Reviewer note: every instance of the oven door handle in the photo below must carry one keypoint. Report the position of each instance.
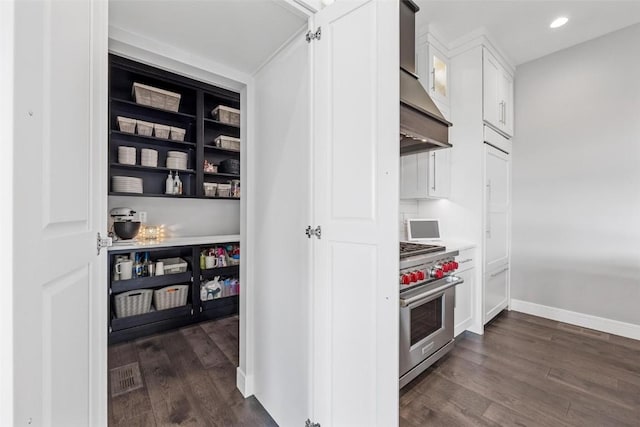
(414, 300)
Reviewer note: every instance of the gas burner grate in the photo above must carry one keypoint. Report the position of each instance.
(409, 249)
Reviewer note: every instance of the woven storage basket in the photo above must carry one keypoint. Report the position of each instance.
(228, 142)
(133, 302)
(225, 114)
(230, 166)
(170, 297)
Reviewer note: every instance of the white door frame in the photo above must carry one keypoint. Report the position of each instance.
(6, 213)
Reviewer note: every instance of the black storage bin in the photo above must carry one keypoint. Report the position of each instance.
(230, 166)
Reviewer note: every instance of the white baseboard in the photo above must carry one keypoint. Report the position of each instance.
(615, 327)
(244, 383)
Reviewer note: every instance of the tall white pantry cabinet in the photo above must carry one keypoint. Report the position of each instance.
(482, 116)
(328, 103)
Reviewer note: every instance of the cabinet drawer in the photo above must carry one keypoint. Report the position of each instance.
(466, 259)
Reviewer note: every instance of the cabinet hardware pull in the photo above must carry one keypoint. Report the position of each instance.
(465, 260)
(499, 272)
(433, 79)
(434, 172)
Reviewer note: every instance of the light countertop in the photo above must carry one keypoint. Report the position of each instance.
(173, 241)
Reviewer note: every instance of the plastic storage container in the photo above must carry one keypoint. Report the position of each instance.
(174, 265)
(170, 297)
(210, 189)
(227, 115)
(133, 302)
(224, 190)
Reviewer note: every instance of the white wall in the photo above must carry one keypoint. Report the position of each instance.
(576, 179)
(185, 217)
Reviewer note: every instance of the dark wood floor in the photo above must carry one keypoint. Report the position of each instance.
(529, 371)
(189, 378)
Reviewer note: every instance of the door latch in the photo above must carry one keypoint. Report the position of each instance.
(313, 232)
(104, 242)
(309, 423)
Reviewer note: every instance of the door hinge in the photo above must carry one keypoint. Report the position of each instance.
(104, 243)
(313, 35)
(313, 232)
(310, 423)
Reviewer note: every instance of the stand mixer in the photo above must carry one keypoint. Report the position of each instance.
(125, 223)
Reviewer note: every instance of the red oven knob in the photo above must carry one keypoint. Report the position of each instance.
(439, 273)
(421, 275)
(405, 279)
(455, 265)
(446, 267)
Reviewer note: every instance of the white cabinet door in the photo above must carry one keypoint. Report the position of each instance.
(463, 313)
(506, 98)
(491, 106)
(497, 95)
(355, 181)
(280, 212)
(496, 292)
(60, 162)
(439, 174)
(438, 75)
(426, 175)
(497, 204)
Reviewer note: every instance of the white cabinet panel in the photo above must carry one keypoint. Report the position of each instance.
(496, 292)
(463, 313)
(426, 175)
(497, 202)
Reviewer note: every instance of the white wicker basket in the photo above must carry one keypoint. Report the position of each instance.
(161, 131)
(170, 297)
(158, 98)
(144, 128)
(126, 124)
(177, 134)
(227, 115)
(133, 302)
(228, 142)
(174, 265)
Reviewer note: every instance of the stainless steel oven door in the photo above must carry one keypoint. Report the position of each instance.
(426, 320)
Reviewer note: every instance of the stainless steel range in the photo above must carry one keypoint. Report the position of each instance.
(427, 298)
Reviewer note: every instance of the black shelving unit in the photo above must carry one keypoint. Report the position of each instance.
(195, 310)
(197, 101)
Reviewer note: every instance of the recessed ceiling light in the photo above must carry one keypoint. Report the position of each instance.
(559, 22)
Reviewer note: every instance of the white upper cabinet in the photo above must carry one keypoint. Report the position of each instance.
(426, 175)
(497, 94)
(433, 68)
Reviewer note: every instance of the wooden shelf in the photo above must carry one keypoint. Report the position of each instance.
(210, 273)
(219, 303)
(177, 196)
(214, 149)
(219, 123)
(150, 282)
(222, 175)
(152, 169)
(152, 109)
(118, 324)
(152, 139)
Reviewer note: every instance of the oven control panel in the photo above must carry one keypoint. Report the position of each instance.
(414, 276)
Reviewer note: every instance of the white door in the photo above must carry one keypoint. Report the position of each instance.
(355, 187)
(60, 205)
(281, 210)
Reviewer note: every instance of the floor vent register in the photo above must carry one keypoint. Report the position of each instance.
(125, 378)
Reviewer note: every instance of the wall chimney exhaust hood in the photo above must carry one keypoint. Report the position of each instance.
(422, 125)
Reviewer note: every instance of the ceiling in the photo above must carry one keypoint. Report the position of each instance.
(241, 34)
(520, 28)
